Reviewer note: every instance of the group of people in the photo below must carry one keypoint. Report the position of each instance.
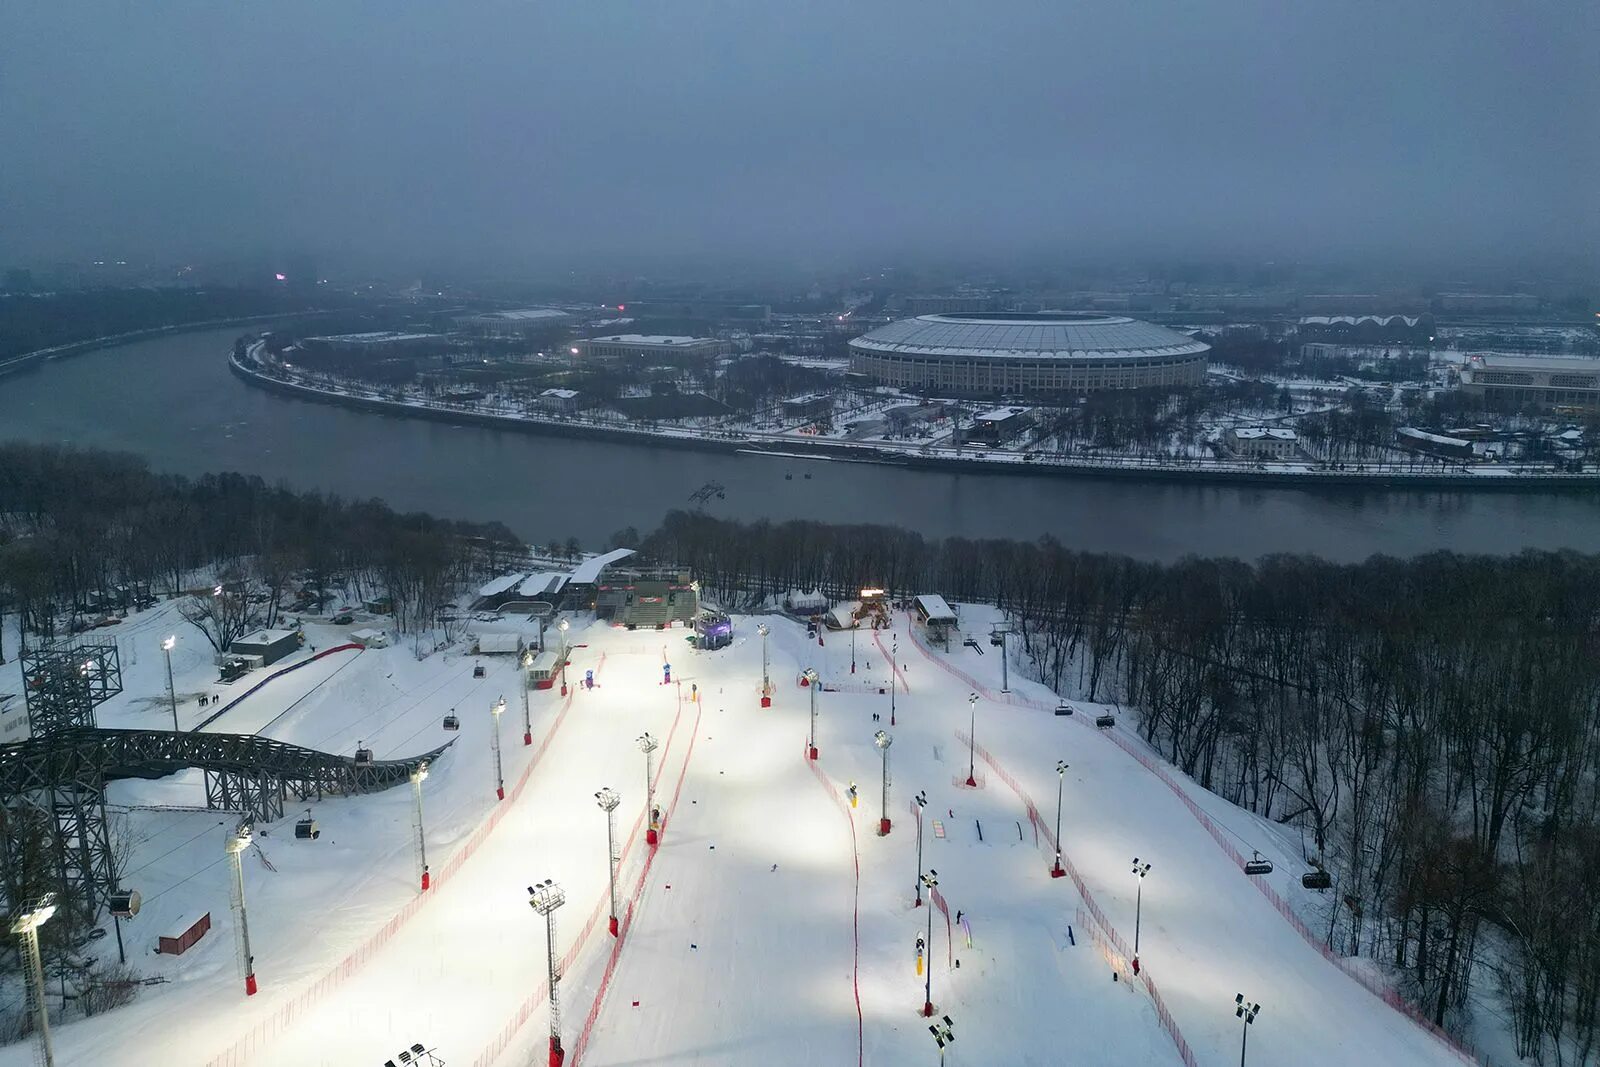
(207, 699)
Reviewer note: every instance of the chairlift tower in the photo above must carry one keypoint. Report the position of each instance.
(545, 898)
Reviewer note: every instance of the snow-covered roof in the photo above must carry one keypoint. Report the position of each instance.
(1261, 433)
(264, 637)
(560, 394)
(1414, 434)
(1523, 361)
(501, 584)
(366, 634)
(374, 337)
(524, 315)
(1029, 335)
(658, 339)
(1356, 320)
(499, 643)
(934, 607)
(588, 572)
(542, 583)
(1000, 414)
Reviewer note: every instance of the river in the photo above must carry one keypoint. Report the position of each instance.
(173, 401)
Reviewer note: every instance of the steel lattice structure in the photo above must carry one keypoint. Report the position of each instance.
(58, 780)
(61, 685)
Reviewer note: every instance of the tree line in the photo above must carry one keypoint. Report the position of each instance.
(1431, 726)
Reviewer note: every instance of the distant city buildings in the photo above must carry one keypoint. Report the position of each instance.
(520, 323)
(626, 346)
(1263, 442)
(1522, 380)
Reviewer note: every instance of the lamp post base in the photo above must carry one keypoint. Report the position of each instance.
(883, 827)
(766, 702)
(250, 985)
(972, 782)
(927, 1009)
(1058, 871)
(650, 837)
(527, 737)
(500, 792)
(612, 926)
(426, 881)
(557, 1053)
(813, 752)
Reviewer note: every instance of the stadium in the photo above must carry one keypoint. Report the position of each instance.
(1015, 352)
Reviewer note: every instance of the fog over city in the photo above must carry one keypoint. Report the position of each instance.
(537, 135)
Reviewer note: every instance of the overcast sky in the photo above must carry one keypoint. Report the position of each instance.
(538, 133)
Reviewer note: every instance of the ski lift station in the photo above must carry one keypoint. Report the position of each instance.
(936, 617)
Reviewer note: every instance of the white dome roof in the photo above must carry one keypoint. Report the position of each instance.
(1029, 335)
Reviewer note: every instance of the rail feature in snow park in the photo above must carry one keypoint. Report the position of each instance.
(502, 1041)
(301, 1004)
(1048, 837)
(1371, 984)
(855, 906)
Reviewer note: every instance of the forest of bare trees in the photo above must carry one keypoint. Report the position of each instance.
(1430, 725)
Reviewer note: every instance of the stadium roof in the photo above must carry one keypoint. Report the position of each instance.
(1029, 335)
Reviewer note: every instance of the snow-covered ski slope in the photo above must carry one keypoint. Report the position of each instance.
(773, 925)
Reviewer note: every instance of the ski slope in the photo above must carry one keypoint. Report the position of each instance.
(773, 924)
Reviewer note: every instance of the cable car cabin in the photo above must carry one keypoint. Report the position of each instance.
(477, 670)
(124, 903)
(1105, 722)
(1316, 879)
(1063, 708)
(306, 830)
(1258, 865)
(452, 722)
(363, 757)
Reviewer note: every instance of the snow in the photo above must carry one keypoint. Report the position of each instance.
(724, 959)
(542, 583)
(935, 608)
(499, 643)
(588, 572)
(501, 584)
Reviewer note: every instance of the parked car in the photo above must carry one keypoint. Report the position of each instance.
(343, 619)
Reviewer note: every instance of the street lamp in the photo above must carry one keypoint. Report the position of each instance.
(883, 741)
(894, 660)
(648, 745)
(1061, 776)
(766, 683)
(562, 626)
(972, 740)
(922, 804)
(608, 799)
(237, 843)
(26, 926)
(527, 715)
(1139, 870)
(944, 1033)
(172, 694)
(498, 710)
(1243, 1009)
(811, 742)
(852, 646)
(417, 777)
(930, 880)
(545, 898)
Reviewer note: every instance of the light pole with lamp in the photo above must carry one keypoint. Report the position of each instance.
(894, 660)
(922, 805)
(1139, 870)
(562, 626)
(648, 745)
(766, 683)
(497, 710)
(972, 741)
(1243, 1009)
(812, 679)
(608, 799)
(172, 694)
(944, 1034)
(237, 843)
(1061, 776)
(545, 898)
(930, 880)
(527, 714)
(417, 777)
(26, 926)
(883, 741)
(852, 646)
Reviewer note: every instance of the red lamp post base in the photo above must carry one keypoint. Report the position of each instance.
(250, 984)
(426, 881)
(612, 926)
(651, 838)
(557, 1053)
(927, 1009)
(813, 752)
(1058, 871)
(972, 783)
(883, 827)
(500, 793)
(563, 688)
(766, 702)
(527, 738)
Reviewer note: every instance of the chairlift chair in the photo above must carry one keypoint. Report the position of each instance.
(1105, 722)
(1063, 708)
(1258, 865)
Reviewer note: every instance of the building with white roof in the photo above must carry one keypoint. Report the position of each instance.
(1264, 442)
(1521, 380)
(1024, 352)
(626, 346)
(518, 323)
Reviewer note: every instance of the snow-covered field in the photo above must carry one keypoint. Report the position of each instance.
(773, 924)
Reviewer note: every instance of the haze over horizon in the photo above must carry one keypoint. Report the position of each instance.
(523, 135)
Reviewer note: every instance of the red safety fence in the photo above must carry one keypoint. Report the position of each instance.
(1366, 980)
(855, 908)
(293, 1009)
(1117, 960)
(944, 909)
(905, 686)
(1168, 1023)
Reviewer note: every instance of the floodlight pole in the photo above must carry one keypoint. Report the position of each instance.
(852, 646)
(648, 745)
(1139, 870)
(930, 880)
(766, 681)
(235, 848)
(417, 777)
(608, 799)
(527, 714)
(1245, 1010)
(972, 741)
(922, 804)
(811, 742)
(894, 661)
(562, 626)
(545, 898)
(172, 694)
(1061, 776)
(883, 741)
(498, 709)
(26, 926)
